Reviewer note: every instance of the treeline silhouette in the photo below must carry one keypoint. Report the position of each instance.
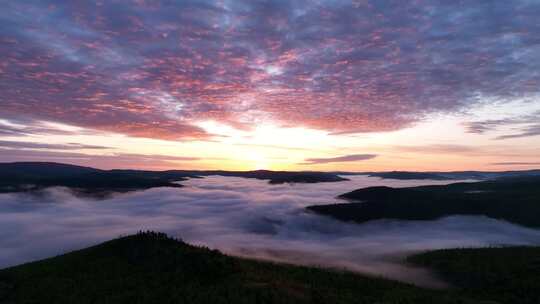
(504, 275)
(515, 199)
(151, 267)
(34, 176)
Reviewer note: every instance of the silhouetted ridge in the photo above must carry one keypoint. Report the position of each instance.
(150, 267)
(514, 199)
(42, 169)
(31, 176)
(453, 175)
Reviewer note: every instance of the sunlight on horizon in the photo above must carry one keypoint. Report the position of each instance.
(272, 147)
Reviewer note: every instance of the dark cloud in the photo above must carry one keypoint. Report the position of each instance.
(345, 158)
(493, 124)
(33, 145)
(151, 69)
(526, 125)
(10, 131)
(533, 130)
(106, 161)
(26, 127)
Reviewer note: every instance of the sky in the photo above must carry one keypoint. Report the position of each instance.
(281, 85)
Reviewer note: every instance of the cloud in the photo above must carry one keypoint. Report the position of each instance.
(439, 148)
(105, 161)
(9, 131)
(26, 127)
(33, 145)
(500, 151)
(526, 124)
(155, 69)
(516, 164)
(345, 158)
(533, 130)
(244, 217)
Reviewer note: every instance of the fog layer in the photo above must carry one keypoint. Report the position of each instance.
(245, 217)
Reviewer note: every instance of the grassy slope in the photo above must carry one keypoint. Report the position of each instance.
(513, 199)
(151, 268)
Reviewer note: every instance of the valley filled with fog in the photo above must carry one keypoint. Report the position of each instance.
(245, 217)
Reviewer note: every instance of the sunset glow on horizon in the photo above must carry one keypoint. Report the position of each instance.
(277, 85)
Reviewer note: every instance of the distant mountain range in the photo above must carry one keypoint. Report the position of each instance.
(478, 175)
(29, 176)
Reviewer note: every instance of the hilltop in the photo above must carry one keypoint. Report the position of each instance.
(153, 268)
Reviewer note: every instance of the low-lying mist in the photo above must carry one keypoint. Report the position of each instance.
(244, 217)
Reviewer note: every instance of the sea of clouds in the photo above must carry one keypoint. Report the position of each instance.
(245, 217)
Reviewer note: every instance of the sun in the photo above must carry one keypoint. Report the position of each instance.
(259, 161)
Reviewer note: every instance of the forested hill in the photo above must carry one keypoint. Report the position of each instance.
(30, 176)
(153, 268)
(514, 199)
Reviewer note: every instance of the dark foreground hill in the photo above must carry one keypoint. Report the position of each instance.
(503, 275)
(30, 176)
(152, 268)
(515, 199)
